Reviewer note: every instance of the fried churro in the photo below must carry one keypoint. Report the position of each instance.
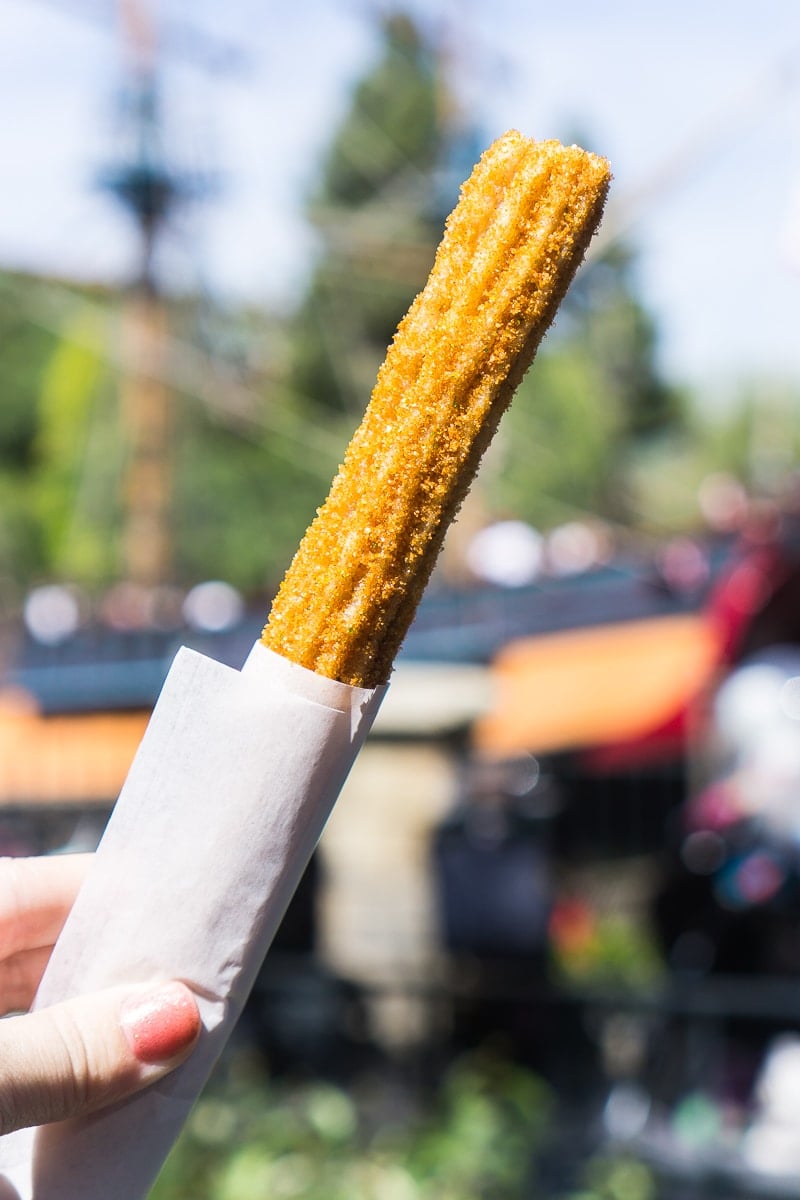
(510, 249)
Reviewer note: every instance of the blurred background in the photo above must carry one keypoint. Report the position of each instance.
(549, 943)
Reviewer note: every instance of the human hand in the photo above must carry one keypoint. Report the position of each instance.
(87, 1052)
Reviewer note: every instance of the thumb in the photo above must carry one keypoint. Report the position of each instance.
(80, 1055)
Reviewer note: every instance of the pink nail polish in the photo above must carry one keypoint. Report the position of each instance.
(160, 1024)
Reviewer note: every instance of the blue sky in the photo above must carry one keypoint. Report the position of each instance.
(696, 104)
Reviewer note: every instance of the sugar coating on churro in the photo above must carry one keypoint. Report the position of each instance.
(510, 249)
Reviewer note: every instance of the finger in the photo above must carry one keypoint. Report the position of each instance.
(78, 1056)
(20, 976)
(36, 895)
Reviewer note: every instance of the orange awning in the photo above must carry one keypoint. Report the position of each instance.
(52, 760)
(593, 687)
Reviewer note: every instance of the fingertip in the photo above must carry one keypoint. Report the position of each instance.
(162, 1024)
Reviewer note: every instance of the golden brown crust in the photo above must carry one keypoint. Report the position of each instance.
(510, 249)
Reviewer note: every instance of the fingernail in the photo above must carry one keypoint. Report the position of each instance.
(160, 1024)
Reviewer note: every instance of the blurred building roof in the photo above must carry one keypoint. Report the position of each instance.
(591, 687)
(101, 669)
(607, 660)
(79, 760)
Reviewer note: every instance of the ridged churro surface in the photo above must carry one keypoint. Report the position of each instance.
(510, 249)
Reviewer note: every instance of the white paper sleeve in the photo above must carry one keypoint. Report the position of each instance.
(223, 806)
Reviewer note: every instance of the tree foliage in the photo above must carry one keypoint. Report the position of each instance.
(243, 491)
(24, 350)
(592, 400)
(475, 1137)
(595, 393)
(77, 457)
(391, 131)
(375, 209)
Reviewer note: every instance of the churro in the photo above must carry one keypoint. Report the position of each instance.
(510, 249)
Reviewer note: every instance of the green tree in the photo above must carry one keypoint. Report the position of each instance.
(24, 351)
(595, 394)
(604, 313)
(241, 504)
(379, 211)
(242, 496)
(78, 450)
(593, 401)
(391, 132)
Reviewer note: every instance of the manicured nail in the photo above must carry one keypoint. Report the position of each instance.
(160, 1024)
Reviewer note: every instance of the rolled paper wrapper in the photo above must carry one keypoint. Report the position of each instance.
(223, 805)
